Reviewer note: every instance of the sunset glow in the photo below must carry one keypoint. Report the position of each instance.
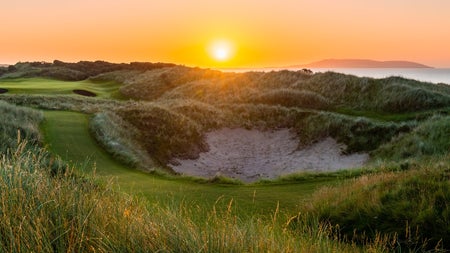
(260, 33)
(221, 50)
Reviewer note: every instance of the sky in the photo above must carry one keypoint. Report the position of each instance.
(225, 33)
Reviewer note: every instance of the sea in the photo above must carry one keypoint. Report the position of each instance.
(432, 75)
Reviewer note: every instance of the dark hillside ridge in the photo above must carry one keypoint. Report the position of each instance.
(73, 71)
(361, 63)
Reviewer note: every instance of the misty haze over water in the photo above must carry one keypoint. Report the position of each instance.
(433, 75)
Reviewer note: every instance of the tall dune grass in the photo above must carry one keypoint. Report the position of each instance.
(430, 138)
(119, 138)
(392, 94)
(18, 123)
(330, 90)
(411, 205)
(68, 212)
(163, 133)
(358, 133)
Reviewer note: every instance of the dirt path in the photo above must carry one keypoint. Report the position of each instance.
(250, 155)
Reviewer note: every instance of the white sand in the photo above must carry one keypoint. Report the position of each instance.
(250, 155)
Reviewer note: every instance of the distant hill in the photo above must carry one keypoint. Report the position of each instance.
(4, 65)
(74, 71)
(361, 63)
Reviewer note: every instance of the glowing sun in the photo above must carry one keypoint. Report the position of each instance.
(221, 50)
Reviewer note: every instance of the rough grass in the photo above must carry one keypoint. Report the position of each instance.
(322, 91)
(432, 137)
(163, 133)
(119, 138)
(207, 116)
(18, 123)
(358, 133)
(292, 98)
(71, 213)
(411, 204)
(392, 94)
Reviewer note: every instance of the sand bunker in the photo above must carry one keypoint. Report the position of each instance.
(3, 90)
(250, 155)
(85, 93)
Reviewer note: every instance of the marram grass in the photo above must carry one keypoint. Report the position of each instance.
(68, 212)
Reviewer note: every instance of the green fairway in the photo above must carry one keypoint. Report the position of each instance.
(67, 135)
(104, 89)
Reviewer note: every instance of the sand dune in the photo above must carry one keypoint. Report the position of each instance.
(250, 155)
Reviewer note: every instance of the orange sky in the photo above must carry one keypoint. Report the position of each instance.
(263, 32)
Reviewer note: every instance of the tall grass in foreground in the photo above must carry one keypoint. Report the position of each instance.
(412, 205)
(66, 212)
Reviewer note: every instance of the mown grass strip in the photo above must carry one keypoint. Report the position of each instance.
(103, 89)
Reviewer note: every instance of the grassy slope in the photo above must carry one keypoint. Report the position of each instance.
(412, 203)
(105, 89)
(67, 135)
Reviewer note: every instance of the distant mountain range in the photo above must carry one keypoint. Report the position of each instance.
(4, 65)
(360, 63)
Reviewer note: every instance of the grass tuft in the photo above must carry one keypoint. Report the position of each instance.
(431, 137)
(292, 98)
(411, 205)
(119, 138)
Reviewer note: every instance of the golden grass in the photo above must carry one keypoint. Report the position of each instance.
(67, 212)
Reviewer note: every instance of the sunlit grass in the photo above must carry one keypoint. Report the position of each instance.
(411, 204)
(68, 211)
(104, 89)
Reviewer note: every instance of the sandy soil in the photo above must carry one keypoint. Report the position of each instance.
(250, 155)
